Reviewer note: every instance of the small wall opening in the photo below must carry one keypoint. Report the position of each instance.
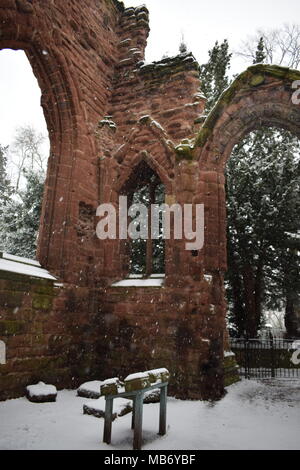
(146, 256)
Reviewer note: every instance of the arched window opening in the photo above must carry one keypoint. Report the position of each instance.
(263, 233)
(24, 150)
(146, 255)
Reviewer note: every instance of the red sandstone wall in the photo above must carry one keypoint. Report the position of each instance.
(88, 63)
(50, 334)
(145, 328)
(73, 52)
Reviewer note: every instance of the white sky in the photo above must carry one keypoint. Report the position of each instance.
(201, 22)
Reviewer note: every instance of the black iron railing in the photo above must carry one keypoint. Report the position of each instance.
(267, 358)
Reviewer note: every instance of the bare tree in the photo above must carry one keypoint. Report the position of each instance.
(281, 46)
(26, 153)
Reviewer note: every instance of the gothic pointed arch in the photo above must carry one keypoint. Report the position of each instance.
(59, 45)
(263, 95)
(147, 142)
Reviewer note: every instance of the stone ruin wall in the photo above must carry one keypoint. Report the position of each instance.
(106, 112)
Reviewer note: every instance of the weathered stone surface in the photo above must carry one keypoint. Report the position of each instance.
(134, 382)
(25, 6)
(111, 386)
(231, 373)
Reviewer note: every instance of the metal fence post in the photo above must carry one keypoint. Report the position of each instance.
(272, 355)
(247, 361)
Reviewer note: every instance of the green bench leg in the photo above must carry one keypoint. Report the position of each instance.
(108, 420)
(138, 421)
(163, 411)
(133, 413)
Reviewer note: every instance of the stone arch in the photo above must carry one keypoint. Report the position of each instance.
(261, 96)
(26, 26)
(143, 156)
(160, 153)
(126, 184)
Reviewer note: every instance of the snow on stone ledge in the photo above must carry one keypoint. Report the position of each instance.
(155, 280)
(19, 259)
(27, 267)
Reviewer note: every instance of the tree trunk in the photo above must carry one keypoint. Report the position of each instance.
(292, 315)
(252, 288)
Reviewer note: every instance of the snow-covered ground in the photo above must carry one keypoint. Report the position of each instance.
(253, 415)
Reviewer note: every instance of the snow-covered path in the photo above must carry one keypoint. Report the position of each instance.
(253, 415)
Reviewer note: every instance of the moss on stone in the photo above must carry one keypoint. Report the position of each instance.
(161, 375)
(275, 71)
(46, 288)
(202, 137)
(184, 151)
(257, 79)
(144, 120)
(110, 389)
(41, 302)
(13, 276)
(200, 120)
(10, 299)
(252, 77)
(17, 285)
(137, 384)
(231, 373)
(33, 364)
(11, 328)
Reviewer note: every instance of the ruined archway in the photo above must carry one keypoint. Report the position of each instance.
(59, 108)
(60, 45)
(88, 64)
(260, 97)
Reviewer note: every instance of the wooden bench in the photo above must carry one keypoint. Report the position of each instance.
(137, 396)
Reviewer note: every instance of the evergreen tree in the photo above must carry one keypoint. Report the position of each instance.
(214, 74)
(5, 194)
(182, 46)
(20, 219)
(20, 205)
(263, 206)
(260, 54)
